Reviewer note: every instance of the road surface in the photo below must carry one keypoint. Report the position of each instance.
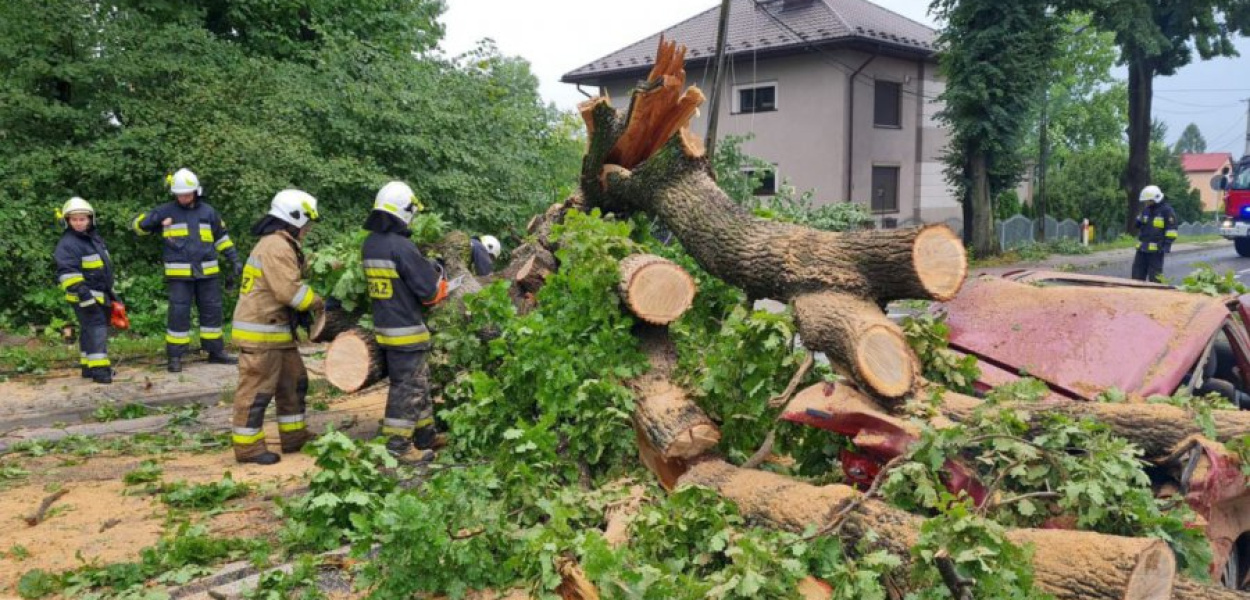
(1220, 257)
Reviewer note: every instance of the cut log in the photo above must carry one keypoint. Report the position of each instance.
(859, 340)
(1188, 589)
(647, 160)
(534, 271)
(674, 424)
(1071, 565)
(655, 289)
(329, 324)
(667, 471)
(1157, 429)
(354, 361)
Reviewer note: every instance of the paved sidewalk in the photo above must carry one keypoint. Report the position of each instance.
(1082, 262)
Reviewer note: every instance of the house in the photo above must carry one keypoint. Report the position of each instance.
(1200, 168)
(839, 96)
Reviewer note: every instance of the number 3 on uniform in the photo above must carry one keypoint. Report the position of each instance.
(380, 289)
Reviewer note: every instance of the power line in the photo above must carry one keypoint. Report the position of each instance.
(1182, 103)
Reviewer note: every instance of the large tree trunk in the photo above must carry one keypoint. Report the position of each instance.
(1071, 565)
(1140, 95)
(354, 361)
(648, 160)
(655, 289)
(1188, 589)
(329, 324)
(984, 243)
(671, 428)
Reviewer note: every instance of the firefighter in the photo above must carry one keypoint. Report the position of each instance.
(194, 235)
(402, 283)
(483, 252)
(1157, 231)
(85, 272)
(271, 294)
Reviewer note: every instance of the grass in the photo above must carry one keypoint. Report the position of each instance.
(37, 358)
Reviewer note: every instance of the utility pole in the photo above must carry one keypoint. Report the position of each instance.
(1246, 152)
(718, 80)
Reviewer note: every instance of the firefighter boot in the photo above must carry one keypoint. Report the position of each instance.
(264, 458)
(175, 364)
(428, 438)
(102, 375)
(406, 453)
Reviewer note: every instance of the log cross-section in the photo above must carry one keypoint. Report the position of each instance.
(354, 361)
(655, 289)
(647, 160)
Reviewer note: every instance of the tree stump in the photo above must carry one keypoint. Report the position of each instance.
(354, 361)
(655, 289)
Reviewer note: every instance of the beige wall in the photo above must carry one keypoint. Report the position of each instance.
(1201, 181)
(806, 136)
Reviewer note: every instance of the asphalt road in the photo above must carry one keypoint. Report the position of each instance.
(1221, 257)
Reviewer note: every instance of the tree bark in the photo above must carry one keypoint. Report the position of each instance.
(329, 324)
(354, 361)
(1188, 589)
(648, 160)
(534, 272)
(1140, 95)
(674, 424)
(983, 241)
(1158, 429)
(870, 349)
(1071, 565)
(655, 289)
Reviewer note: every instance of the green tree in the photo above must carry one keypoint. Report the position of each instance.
(1158, 37)
(102, 100)
(1191, 141)
(995, 53)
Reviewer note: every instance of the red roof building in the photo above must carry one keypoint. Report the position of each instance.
(1200, 168)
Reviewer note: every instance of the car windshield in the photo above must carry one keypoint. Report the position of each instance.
(1241, 179)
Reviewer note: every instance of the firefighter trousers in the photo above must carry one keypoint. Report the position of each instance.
(1147, 266)
(93, 335)
(263, 376)
(206, 294)
(409, 408)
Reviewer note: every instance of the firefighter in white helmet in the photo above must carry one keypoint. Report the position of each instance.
(484, 251)
(403, 285)
(85, 271)
(1157, 229)
(194, 236)
(272, 291)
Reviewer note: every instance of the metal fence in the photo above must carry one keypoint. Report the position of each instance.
(1020, 230)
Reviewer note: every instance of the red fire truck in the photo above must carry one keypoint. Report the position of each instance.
(1236, 188)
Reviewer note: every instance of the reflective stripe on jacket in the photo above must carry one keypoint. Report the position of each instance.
(400, 282)
(192, 242)
(1157, 227)
(271, 289)
(83, 268)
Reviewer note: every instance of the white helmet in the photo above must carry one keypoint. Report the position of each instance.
(396, 198)
(294, 207)
(1151, 193)
(491, 243)
(76, 205)
(183, 182)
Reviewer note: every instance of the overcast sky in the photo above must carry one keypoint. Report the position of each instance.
(557, 36)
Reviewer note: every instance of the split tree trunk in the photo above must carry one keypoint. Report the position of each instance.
(655, 289)
(1071, 565)
(329, 324)
(648, 160)
(354, 361)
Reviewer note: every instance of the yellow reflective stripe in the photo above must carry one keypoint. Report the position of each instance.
(98, 363)
(397, 431)
(391, 208)
(403, 340)
(212, 270)
(253, 271)
(1172, 234)
(139, 219)
(1152, 247)
(307, 302)
(93, 264)
(76, 279)
(175, 233)
(205, 335)
(298, 425)
(206, 233)
(425, 423)
(177, 339)
(375, 272)
(1158, 222)
(177, 272)
(225, 243)
(244, 440)
(241, 335)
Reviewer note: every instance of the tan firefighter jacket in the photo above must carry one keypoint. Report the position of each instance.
(271, 290)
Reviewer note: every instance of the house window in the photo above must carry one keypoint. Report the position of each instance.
(767, 181)
(884, 190)
(756, 99)
(888, 105)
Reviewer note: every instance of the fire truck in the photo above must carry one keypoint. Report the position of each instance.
(1236, 188)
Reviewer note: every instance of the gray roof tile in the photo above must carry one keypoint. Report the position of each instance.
(751, 30)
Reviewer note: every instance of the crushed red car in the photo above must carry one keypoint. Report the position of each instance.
(1084, 336)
